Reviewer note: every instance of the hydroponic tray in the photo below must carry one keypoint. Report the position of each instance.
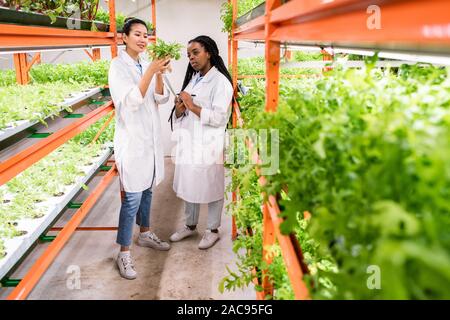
(21, 125)
(16, 247)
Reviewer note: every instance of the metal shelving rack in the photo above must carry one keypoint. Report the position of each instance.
(415, 26)
(21, 39)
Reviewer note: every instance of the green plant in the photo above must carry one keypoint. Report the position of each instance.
(56, 8)
(365, 152)
(2, 249)
(103, 16)
(257, 66)
(162, 50)
(307, 56)
(22, 197)
(7, 78)
(226, 16)
(243, 7)
(91, 72)
(35, 102)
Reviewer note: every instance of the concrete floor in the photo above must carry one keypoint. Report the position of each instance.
(184, 272)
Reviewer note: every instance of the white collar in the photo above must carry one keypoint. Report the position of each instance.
(128, 59)
(208, 76)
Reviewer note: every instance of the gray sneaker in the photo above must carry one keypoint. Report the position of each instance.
(208, 240)
(182, 233)
(152, 241)
(126, 267)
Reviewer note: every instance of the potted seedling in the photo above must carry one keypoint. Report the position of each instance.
(164, 50)
(55, 14)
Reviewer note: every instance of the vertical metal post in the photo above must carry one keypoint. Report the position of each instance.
(154, 15)
(272, 52)
(233, 45)
(113, 26)
(272, 55)
(96, 54)
(268, 241)
(326, 56)
(234, 59)
(21, 65)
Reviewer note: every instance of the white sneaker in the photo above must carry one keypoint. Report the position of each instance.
(208, 240)
(182, 233)
(126, 267)
(151, 240)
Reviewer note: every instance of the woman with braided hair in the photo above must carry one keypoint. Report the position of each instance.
(201, 112)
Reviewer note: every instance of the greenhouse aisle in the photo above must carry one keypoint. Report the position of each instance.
(184, 272)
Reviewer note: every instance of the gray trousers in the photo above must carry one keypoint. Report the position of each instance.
(215, 208)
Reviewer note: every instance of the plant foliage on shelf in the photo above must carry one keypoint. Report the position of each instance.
(23, 196)
(35, 102)
(227, 12)
(95, 73)
(103, 16)
(365, 151)
(257, 66)
(50, 85)
(86, 9)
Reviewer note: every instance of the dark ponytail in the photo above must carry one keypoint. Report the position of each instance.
(215, 60)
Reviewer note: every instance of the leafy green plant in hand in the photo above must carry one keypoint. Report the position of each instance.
(163, 50)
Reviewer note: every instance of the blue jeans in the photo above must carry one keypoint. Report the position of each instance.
(135, 205)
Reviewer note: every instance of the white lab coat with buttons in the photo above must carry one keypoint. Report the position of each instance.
(137, 140)
(199, 171)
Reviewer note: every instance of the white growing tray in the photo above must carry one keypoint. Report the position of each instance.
(18, 246)
(21, 125)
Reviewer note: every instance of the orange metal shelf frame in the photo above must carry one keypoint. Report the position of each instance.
(33, 276)
(290, 248)
(21, 36)
(414, 25)
(16, 36)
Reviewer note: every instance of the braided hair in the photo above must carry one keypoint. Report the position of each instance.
(215, 59)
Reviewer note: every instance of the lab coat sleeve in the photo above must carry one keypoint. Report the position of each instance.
(160, 98)
(219, 113)
(184, 115)
(124, 91)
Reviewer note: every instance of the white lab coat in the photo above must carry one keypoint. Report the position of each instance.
(199, 171)
(137, 140)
